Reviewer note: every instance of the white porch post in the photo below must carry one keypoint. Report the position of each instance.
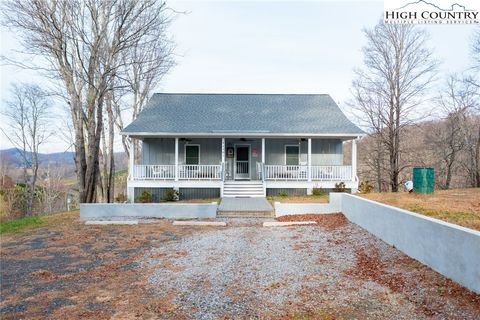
(263, 168)
(131, 162)
(354, 159)
(176, 159)
(223, 150)
(263, 150)
(131, 169)
(224, 167)
(309, 160)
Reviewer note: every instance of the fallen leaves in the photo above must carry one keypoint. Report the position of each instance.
(328, 221)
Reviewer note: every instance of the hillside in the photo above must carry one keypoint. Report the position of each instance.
(15, 155)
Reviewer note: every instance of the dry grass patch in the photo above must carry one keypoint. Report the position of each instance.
(458, 206)
(300, 199)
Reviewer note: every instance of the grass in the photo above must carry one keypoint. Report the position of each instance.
(460, 218)
(33, 222)
(300, 199)
(458, 206)
(19, 224)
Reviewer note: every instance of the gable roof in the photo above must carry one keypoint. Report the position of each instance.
(245, 114)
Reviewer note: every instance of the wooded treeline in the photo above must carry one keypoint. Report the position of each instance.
(423, 147)
(393, 95)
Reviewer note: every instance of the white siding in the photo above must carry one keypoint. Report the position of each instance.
(162, 151)
(324, 151)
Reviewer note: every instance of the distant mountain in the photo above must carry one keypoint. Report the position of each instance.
(15, 157)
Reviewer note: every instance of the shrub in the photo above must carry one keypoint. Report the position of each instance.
(339, 187)
(172, 195)
(13, 202)
(283, 194)
(145, 197)
(318, 191)
(121, 198)
(365, 187)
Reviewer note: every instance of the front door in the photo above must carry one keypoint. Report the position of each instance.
(242, 162)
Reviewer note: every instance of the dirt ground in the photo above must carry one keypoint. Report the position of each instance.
(334, 270)
(458, 206)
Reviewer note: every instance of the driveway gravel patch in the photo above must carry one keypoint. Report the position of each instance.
(303, 271)
(242, 271)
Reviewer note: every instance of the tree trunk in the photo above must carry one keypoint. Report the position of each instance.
(449, 175)
(109, 165)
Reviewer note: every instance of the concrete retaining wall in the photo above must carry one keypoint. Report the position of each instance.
(449, 249)
(153, 210)
(334, 206)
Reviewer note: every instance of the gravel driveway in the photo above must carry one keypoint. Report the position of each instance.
(69, 270)
(339, 270)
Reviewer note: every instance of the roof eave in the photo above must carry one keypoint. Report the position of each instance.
(241, 134)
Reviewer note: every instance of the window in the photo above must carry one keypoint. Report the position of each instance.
(292, 155)
(192, 154)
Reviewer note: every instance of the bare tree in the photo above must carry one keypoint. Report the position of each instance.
(150, 60)
(53, 188)
(84, 41)
(449, 138)
(476, 49)
(389, 89)
(471, 162)
(27, 115)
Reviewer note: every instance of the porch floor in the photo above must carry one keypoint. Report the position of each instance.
(245, 207)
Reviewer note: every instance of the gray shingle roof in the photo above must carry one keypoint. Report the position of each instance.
(245, 113)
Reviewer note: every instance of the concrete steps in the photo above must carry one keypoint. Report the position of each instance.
(241, 189)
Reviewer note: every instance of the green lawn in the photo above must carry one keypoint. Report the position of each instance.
(16, 225)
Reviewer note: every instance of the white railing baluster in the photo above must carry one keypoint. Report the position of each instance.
(186, 172)
(268, 172)
(300, 172)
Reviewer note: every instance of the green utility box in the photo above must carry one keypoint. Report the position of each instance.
(423, 180)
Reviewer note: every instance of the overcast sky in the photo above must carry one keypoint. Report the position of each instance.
(268, 47)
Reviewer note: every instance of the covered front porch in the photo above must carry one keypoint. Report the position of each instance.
(209, 162)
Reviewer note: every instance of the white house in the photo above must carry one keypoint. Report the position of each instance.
(232, 145)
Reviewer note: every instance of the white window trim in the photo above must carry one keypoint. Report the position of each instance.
(185, 153)
(285, 152)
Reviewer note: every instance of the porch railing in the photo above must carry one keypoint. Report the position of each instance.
(332, 173)
(154, 172)
(300, 172)
(260, 171)
(185, 172)
(281, 172)
(264, 172)
(199, 172)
